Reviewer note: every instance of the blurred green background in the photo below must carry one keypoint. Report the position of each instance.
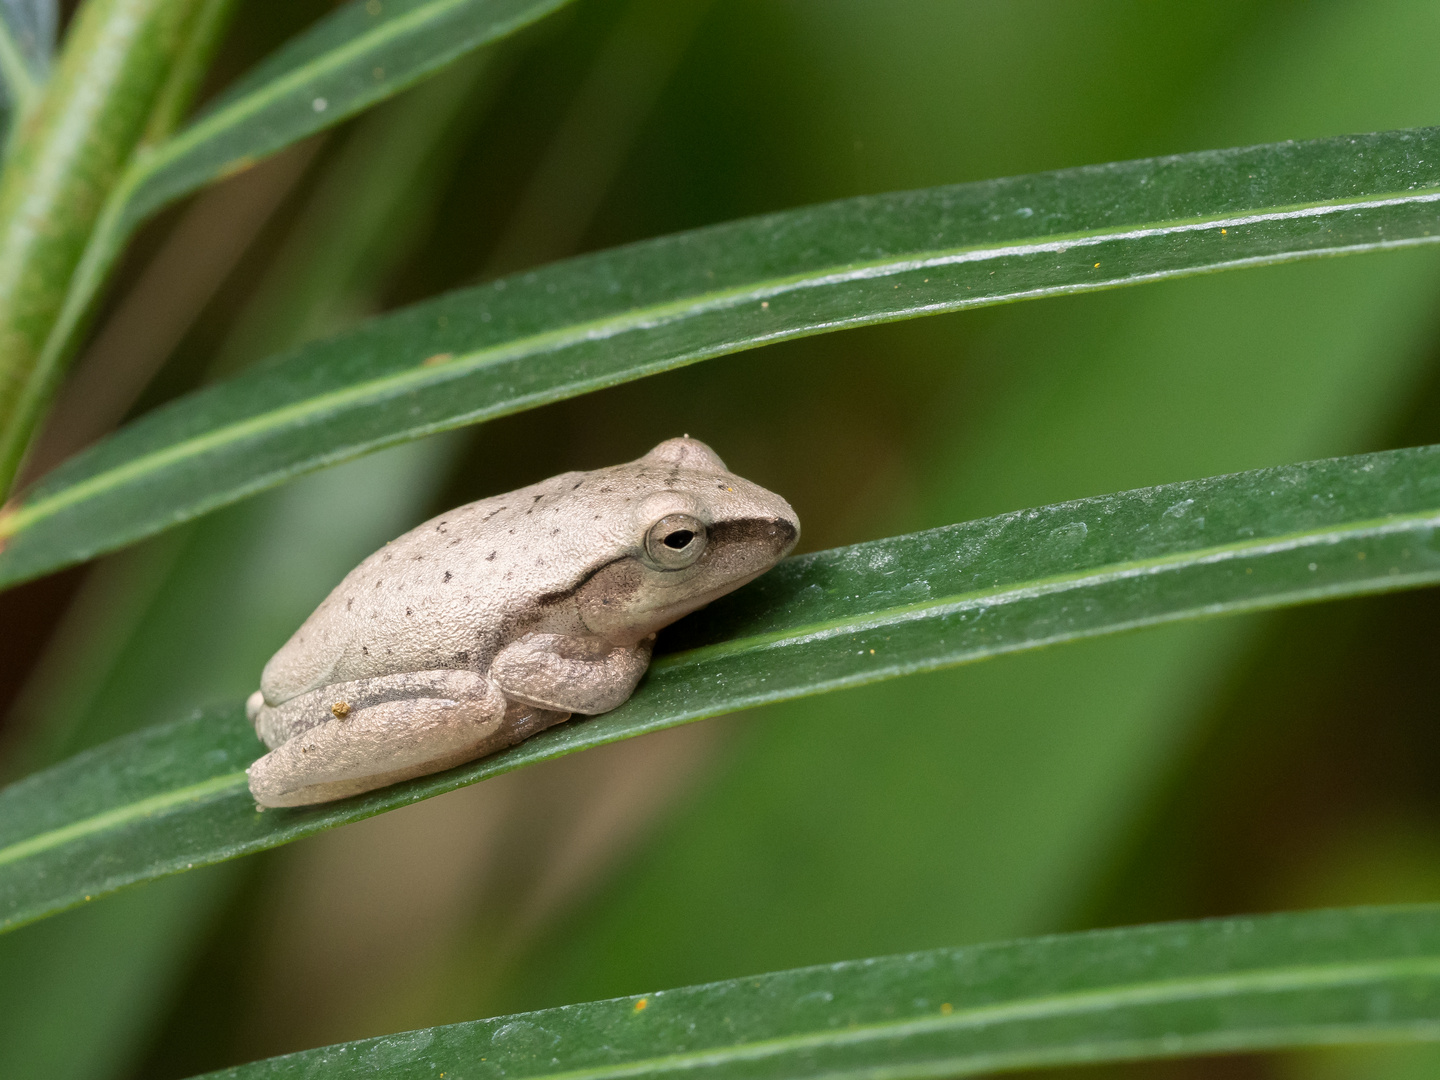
(1251, 764)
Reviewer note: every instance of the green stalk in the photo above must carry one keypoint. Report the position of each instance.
(117, 58)
(202, 38)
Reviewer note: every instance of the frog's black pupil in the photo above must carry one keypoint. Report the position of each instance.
(679, 538)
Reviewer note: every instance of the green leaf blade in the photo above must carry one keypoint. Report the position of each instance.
(90, 819)
(603, 319)
(362, 53)
(1317, 978)
(174, 796)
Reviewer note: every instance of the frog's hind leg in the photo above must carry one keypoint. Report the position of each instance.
(279, 723)
(389, 740)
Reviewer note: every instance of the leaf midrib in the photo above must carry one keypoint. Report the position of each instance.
(1107, 572)
(231, 114)
(119, 815)
(1137, 994)
(24, 516)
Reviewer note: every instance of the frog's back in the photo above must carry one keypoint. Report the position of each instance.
(447, 594)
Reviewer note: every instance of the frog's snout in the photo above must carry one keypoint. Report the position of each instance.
(746, 548)
(786, 535)
(775, 537)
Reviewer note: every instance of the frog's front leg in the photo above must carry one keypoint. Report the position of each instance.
(576, 674)
(358, 736)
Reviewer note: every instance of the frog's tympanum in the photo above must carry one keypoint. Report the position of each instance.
(498, 619)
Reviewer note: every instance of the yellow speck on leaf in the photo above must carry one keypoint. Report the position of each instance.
(437, 359)
(764, 304)
(341, 709)
(1360, 555)
(640, 1005)
(946, 1009)
(1224, 232)
(1097, 266)
(872, 652)
(239, 165)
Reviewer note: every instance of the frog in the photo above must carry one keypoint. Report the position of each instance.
(498, 619)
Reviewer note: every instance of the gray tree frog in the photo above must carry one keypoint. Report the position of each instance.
(502, 617)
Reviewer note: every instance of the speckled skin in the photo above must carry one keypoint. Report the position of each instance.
(500, 618)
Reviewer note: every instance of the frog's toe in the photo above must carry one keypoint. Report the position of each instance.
(267, 788)
(253, 704)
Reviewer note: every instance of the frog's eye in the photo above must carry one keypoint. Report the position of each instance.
(675, 541)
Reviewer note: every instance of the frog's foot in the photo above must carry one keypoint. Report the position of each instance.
(389, 741)
(584, 675)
